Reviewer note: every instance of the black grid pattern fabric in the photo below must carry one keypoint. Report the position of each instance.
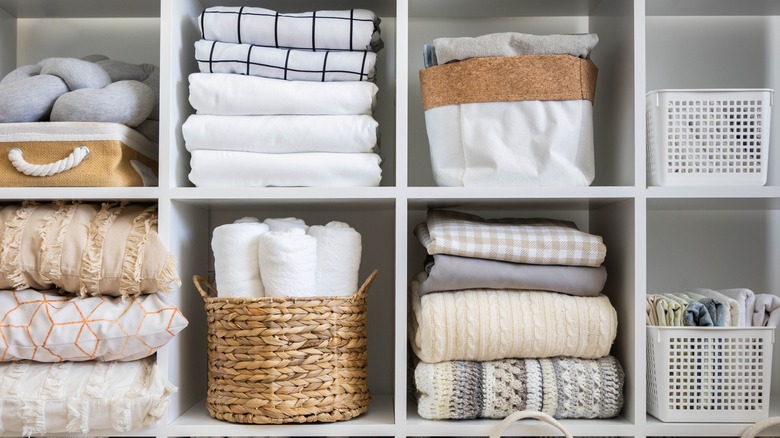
(352, 29)
(294, 65)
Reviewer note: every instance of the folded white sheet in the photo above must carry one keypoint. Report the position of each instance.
(767, 311)
(339, 248)
(746, 301)
(347, 29)
(294, 65)
(241, 95)
(281, 134)
(249, 169)
(288, 263)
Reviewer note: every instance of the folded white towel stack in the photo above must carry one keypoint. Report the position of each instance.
(288, 263)
(338, 258)
(285, 223)
(235, 249)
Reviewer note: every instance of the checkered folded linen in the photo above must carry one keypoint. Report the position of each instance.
(294, 65)
(535, 241)
(352, 29)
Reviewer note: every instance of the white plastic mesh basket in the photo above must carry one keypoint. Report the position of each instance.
(709, 374)
(708, 137)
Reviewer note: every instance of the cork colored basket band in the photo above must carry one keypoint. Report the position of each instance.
(508, 78)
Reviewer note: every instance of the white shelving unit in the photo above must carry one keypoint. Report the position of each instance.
(657, 238)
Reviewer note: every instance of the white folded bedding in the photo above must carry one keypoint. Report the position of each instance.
(317, 169)
(281, 134)
(238, 95)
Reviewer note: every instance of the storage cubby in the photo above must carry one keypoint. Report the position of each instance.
(657, 238)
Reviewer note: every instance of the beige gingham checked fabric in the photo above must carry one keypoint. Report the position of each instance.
(535, 241)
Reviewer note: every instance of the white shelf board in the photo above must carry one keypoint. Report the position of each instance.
(378, 421)
(655, 426)
(714, 192)
(581, 198)
(293, 194)
(417, 426)
(713, 7)
(81, 8)
(498, 8)
(82, 193)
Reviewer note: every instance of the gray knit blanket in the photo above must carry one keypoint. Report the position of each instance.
(561, 387)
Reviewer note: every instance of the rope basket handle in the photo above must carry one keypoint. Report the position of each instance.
(753, 431)
(16, 157)
(506, 422)
(208, 291)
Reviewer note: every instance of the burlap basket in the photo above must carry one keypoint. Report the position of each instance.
(286, 360)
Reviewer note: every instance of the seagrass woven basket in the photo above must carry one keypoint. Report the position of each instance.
(286, 360)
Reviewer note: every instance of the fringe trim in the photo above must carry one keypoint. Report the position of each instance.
(98, 380)
(135, 247)
(168, 277)
(121, 414)
(13, 379)
(91, 272)
(51, 257)
(54, 381)
(11, 242)
(33, 416)
(78, 416)
(160, 405)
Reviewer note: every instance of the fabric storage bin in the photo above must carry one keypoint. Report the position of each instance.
(712, 374)
(286, 360)
(511, 120)
(75, 154)
(708, 137)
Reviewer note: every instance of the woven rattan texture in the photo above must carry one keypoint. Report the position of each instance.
(286, 360)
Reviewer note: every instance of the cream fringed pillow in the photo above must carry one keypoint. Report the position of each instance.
(79, 397)
(86, 249)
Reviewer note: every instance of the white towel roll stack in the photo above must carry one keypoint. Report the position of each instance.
(339, 248)
(235, 249)
(288, 262)
(285, 223)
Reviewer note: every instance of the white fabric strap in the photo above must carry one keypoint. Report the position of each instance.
(506, 422)
(78, 155)
(760, 426)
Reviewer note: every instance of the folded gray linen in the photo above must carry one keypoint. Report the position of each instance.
(510, 44)
(449, 273)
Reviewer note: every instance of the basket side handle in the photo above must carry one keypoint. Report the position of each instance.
(204, 288)
(519, 415)
(755, 429)
(367, 283)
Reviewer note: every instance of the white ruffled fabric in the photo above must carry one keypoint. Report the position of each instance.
(228, 94)
(249, 169)
(281, 134)
(79, 397)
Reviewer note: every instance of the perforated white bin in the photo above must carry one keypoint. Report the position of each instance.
(708, 137)
(709, 374)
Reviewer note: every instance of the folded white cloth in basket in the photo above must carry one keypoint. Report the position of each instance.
(339, 249)
(236, 268)
(288, 263)
(349, 29)
(249, 169)
(767, 311)
(295, 65)
(281, 134)
(733, 315)
(746, 301)
(241, 95)
(560, 154)
(513, 44)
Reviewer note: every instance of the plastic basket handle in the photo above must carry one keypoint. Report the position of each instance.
(761, 425)
(506, 422)
(16, 157)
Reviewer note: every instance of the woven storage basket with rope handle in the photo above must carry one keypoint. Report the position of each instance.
(286, 360)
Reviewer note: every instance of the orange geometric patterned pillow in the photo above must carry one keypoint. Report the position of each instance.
(48, 327)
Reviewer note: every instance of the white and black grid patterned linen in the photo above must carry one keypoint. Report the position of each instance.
(352, 29)
(297, 65)
(536, 241)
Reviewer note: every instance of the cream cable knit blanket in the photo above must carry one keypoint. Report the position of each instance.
(496, 324)
(561, 387)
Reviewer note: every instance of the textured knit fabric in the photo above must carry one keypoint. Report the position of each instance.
(537, 241)
(496, 324)
(561, 387)
(293, 65)
(350, 29)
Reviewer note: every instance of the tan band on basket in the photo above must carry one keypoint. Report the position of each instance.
(508, 78)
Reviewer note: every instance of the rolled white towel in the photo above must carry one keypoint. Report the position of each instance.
(236, 268)
(339, 249)
(285, 223)
(288, 263)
